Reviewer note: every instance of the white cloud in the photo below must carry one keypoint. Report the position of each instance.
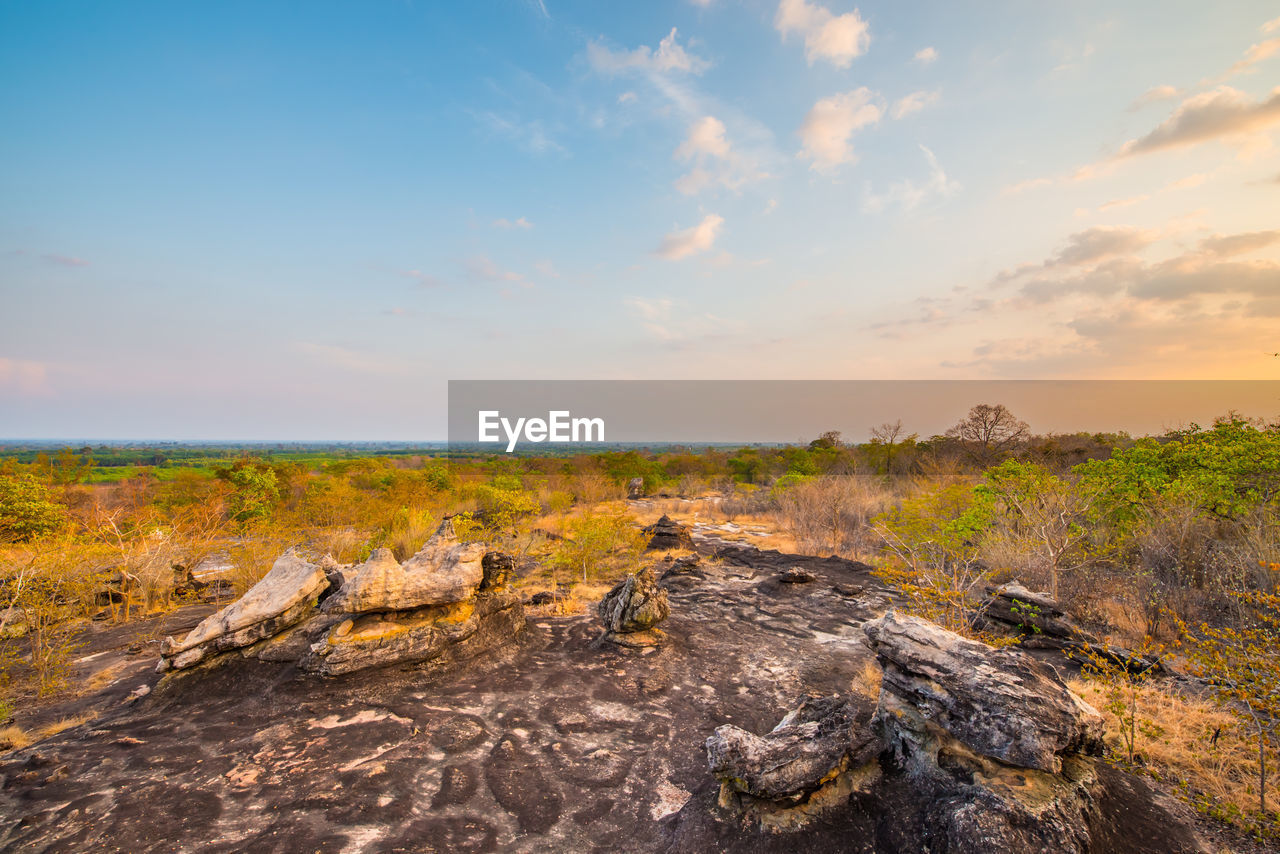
(1221, 112)
(914, 103)
(926, 55)
(829, 127)
(670, 56)
(1271, 26)
(503, 222)
(626, 97)
(908, 194)
(715, 161)
(1154, 95)
(1255, 54)
(481, 268)
(706, 137)
(838, 39)
(682, 244)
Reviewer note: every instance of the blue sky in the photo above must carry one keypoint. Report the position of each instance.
(261, 220)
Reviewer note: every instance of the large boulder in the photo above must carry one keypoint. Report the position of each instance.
(444, 571)
(284, 597)
(421, 635)
(809, 748)
(632, 610)
(1000, 703)
(666, 533)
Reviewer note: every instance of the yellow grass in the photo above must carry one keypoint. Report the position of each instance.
(64, 724)
(1219, 776)
(13, 738)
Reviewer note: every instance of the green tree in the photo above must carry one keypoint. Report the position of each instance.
(27, 510)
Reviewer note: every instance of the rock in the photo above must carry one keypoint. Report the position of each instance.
(813, 744)
(284, 597)
(546, 597)
(999, 703)
(1031, 613)
(444, 571)
(635, 487)
(498, 568)
(796, 575)
(635, 604)
(666, 533)
(420, 635)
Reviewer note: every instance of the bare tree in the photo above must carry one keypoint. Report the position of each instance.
(988, 431)
(887, 434)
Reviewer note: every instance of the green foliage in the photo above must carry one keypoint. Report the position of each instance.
(255, 490)
(598, 540)
(27, 510)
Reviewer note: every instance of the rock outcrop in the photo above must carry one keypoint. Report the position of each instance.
(666, 533)
(331, 620)
(999, 703)
(284, 597)
(632, 610)
(815, 743)
(635, 487)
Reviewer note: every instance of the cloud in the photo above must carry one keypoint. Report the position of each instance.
(682, 244)
(1096, 244)
(1271, 26)
(1188, 182)
(626, 97)
(1115, 204)
(1255, 54)
(926, 55)
(1222, 112)
(907, 194)
(24, 377)
(531, 136)
(1154, 95)
(482, 269)
(914, 103)
(670, 56)
(839, 39)
(830, 125)
(715, 162)
(1239, 244)
(502, 222)
(64, 260)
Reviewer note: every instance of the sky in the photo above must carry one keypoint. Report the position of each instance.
(247, 220)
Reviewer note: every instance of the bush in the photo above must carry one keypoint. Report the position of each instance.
(27, 511)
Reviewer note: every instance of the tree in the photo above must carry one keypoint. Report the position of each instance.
(828, 440)
(1042, 511)
(596, 537)
(26, 509)
(932, 541)
(1242, 668)
(255, 490)
(988, 432)
(886, 436)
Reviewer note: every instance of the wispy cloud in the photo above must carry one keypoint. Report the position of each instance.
(828, 129)
(669, 56)
(926, 55)
(425, 280)
(481, 269)
(1223, 112)
(503, 222)
(909, 194)
(1154, 95)
(532, 136)
(24, 377)
(715, 162)
(1255, 54)
(838, 39)
(914, 103)
(699, 238)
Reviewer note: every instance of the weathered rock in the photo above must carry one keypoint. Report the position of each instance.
(635, 604)
(1031, 613)
(666, 533)
(635, 487)
(498, 569)
(1000, 703)
(284, 597)
(796, 575)
(444, 571)
(423, 634)
(810, 747)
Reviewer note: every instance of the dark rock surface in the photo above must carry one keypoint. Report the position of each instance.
(666, 533)
(548, 744)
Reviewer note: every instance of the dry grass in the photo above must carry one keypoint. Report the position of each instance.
(62, 724)
(14, 738)
(867, 680)
(1198, 748)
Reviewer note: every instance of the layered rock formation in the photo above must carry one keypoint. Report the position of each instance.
(632, 610)
(666, 533)
(446, 601)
